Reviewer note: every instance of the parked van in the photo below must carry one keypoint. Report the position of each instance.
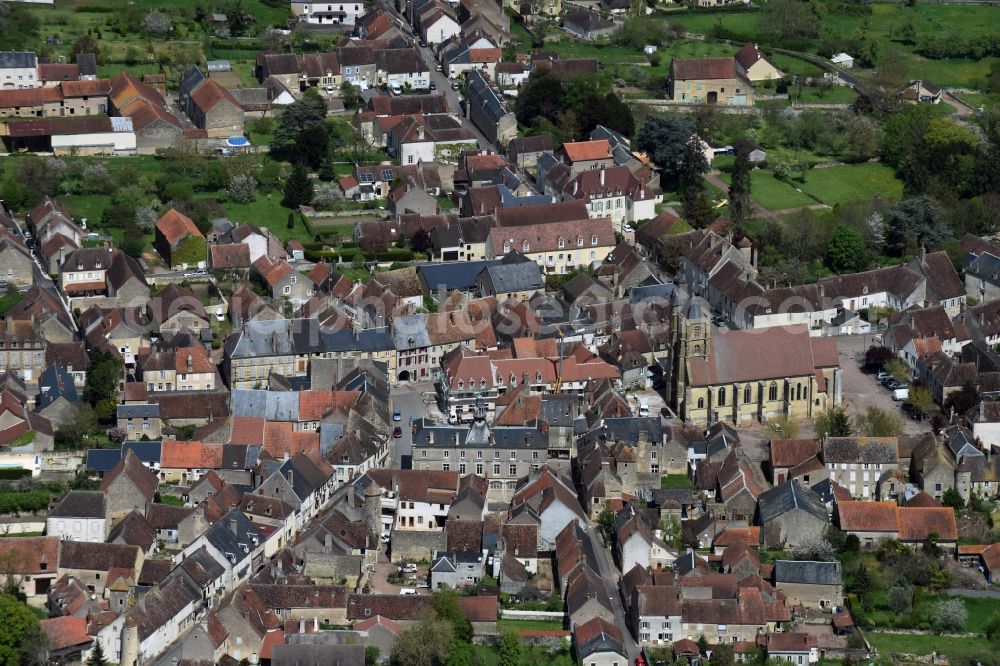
(407, 590)
(643, 409)
(901, 393)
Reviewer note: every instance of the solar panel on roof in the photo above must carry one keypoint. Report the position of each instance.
(366, 177)
(387, 174)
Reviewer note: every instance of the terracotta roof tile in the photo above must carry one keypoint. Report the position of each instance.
(174, 226)
(578, 151)
(179, 454)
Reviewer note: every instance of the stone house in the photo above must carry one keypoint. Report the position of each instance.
(790, 513)
(90, 563)
(816, 585)
(31, 562)
(179, 241)
(18, 268)
(856, 463)
(129, 486)
(215, 110)
(81, 515)
(709, 80)
(175, 308)
(755, 65)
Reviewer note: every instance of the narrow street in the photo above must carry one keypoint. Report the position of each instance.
(610, 575)
(408, 400)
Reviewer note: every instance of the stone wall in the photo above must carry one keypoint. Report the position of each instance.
(416, 545)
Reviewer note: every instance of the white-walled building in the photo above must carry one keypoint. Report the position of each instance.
(82, 515)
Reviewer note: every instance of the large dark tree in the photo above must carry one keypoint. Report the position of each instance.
(915, 222)
(664, 138)
(609, 111)
(740, 203)
(541, 96)
(693, 165)
(298, 188)
(298, 117)
(697, 209)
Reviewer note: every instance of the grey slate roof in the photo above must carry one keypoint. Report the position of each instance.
(499, 437)
(628, 428)
(788, 496)
(234, 534)
(18, 59)
(860, 450)
(56, 382)
(483, 96)
(521, 276)
(410, 332)
(459, 275)
(139, 411)
(81, 504)
(272, 405)
(815, 573)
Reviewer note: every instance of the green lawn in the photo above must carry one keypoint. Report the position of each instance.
(679, 227)
(267, 211)
(675, 481)
(980, 610)
(835, 95)
(851, 183)
(171, 500)
(771, 193)
(530, 625)
(490, 656)
(925, 644)
(9, 300)
(980, 100)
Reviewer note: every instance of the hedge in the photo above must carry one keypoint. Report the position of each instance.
(348, 255)
(13, 473)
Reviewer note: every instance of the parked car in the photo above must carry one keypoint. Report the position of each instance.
(901, 393)
(397, 416)
(454, 85)
(433, 86)
(397, 432)
(406, 591)
(395, 89)
(882, 376)
(408, 567)
(719, 320)
(643, 409)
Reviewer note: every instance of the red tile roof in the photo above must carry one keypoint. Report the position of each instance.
(174, 226)
(65, 632)
(478, 609)
(582, 151)
(179, 454)
(705, 69)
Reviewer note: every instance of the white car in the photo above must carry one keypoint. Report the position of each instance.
(395, 90)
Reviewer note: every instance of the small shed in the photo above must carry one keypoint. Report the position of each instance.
(218, 65)
(843, 60)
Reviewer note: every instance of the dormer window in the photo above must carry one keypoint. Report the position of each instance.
(593, 239)
(525, 246)
(461, 384)
(506, 247)
(579, 241)
(482, 383)
(864, 290)
(562, 243)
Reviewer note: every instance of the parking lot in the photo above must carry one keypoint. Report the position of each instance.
(862, 391)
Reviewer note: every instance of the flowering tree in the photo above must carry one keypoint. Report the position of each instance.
(158, 22)
(117, 434)
(242, 188)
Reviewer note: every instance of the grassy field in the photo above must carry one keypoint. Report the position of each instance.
(530, 625)
(675, 481)
(851, 183)
(884, 25)
(490, 656)
(267, 211)
(9, 300)
(925, 644)
(771, 193)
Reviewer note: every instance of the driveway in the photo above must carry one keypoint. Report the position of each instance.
(862, 391)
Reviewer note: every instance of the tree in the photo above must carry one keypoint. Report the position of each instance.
(21, 638)
(740, 203)
(954, 499)
(146, 216)
(664, 138)
(693, 165)
(702, 644)
(877, 422)
(901, 597)
(445, 605)
(606, 522)
(309, 111)
(782, 427)
(784, 20)
(949, 615)
(877, 356)
(898, 369)
(242, 188)
(540, 97)
(427, 643)
(97, 655)
(697, 209)
(861, 138)
(158, 22)
(992, 628)
(85, 44)
(963, 399)
(814, 547)
(510, 649)
(350, 94)
(117, 434)
(846, 251)
(723, 655)
(326, 171)
(291, 221)
(915, 222)
(102, 377)
(298, 188)
(920, 398)
(420, 241)
(312, 145)
(833, 423)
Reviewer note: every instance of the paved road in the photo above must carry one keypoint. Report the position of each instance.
(407, 399)
(610, 575)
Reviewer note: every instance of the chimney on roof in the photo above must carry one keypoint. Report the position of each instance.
(302, 625)
(190, 363)
(291, 475)
(232, 527)
(575, 184)
(602, 176)
(923, 255)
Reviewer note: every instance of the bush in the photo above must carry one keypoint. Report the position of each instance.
(13, 473)
(949, 615)
(242, 189)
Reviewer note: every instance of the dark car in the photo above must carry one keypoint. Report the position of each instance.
(434, 86)
(397, 432)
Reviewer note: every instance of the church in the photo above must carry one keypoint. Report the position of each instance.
(745, 376)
